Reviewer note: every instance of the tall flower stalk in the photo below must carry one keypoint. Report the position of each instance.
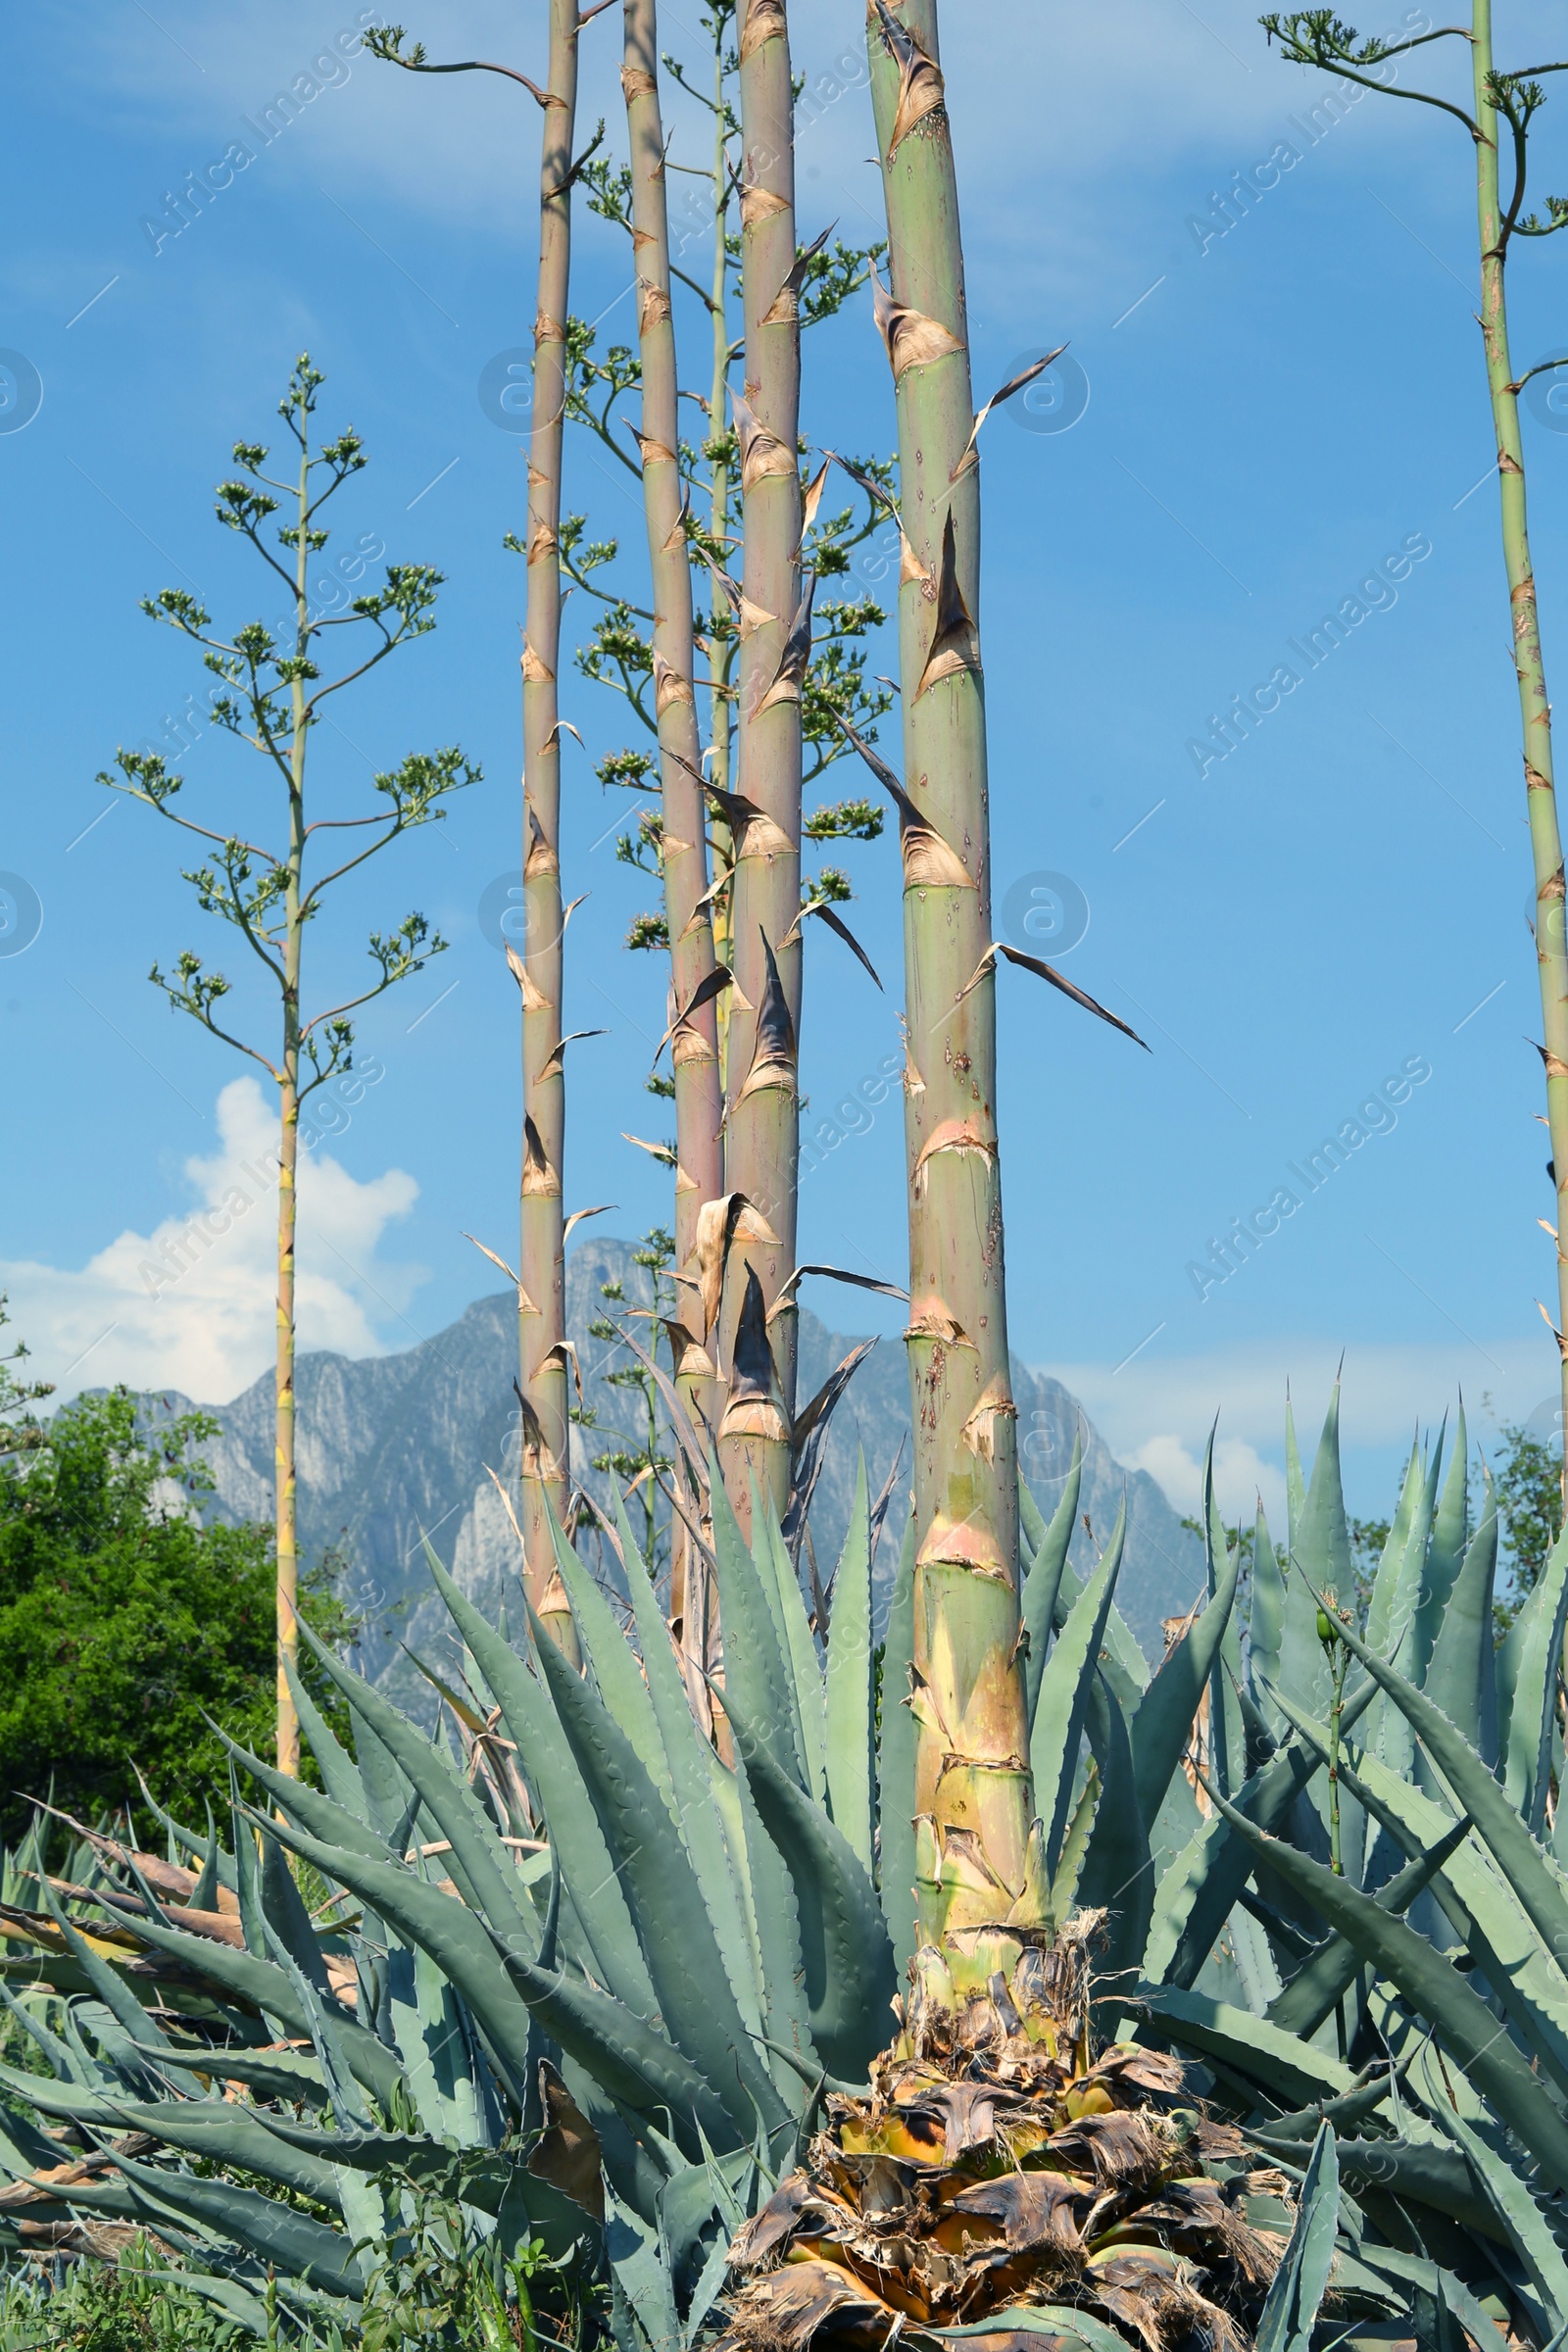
(974, 1857)
(271, 689)
(541, 1265)
(695, 978)
(763, 1093)
(1504, 105)
(539, 969)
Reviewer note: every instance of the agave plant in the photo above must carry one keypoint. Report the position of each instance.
(603, 1992)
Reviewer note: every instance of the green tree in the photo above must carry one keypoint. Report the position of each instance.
(1529, 1482)
(124, 1621)
(21, 1430)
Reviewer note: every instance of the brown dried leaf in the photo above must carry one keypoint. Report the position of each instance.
(912, 339)
(532, 1000)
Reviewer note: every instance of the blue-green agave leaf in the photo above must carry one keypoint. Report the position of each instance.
(530, 1717)
(695, 1996)
(1516, 1853)
(478, 1861)
(754, 1667)
(851, 1973)
(1460, 1675)
(896, 1760)
(1321, 1982)
(1290, 2312)
(1118, 1872)
(1043, 1579)
(718, 1860)
(1162, 1727)
(340, 1775)
(1510, 2200)
(850, 1727)
(275, 2233)
(1431, 1982)
(1064, 1695)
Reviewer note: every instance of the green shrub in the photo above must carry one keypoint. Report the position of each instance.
(123, 1620)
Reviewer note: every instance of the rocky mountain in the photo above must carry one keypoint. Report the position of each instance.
(395, 1448)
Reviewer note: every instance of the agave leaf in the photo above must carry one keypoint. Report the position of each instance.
(1045, 2319)
(1381, 1611)
(849, 1709)
(1118, 1872)
(1528, 2229)
(72, 2102)
(322, 1816)
(1459, 1678)
(695, 1996)
(1075, 1846)
(386, 1790)
(302, 2248)
(754, 1667)
(851, 1973)
(454, 1935)
(1250, 2047)
(1354, 2108)
(1226, 1713)
(1320, 1550)
(1291, 2310)
(288, 2074)
(479, 1863)
(342, 2092)
(616, 1671)
(1451, 1539)
(1294, 1486)
(718, 1858)
(264, 1986)
(1387, 1729)
(786, 2018)
(641, 2282)
(532, 1720)
(1031, 1525)
(1043, 1579)
(1197, 1893)
(1413, 2269)
(1468, 2029)
(110, 1987)
(1063, 1701)
(776, 1572)
(1162, 1727)
(340, 1775)
(1318, 1987)
(1482, 1907)
(1123, 1664)
(895, 1800)
(636, 2166)
(636, 2064)
(1266, 1623)
(373, 2151)
(423, 2011)
(288, 1924)
(1415, 2172)
(224, 2132)
(1507, 1839)
(1533, 1716)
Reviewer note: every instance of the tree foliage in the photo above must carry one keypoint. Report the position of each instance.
(125, 1622)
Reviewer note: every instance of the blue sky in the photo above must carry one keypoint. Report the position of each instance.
(1272, 413)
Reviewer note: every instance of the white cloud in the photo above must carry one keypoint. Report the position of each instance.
(1240, 1475)
(191, 1306)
